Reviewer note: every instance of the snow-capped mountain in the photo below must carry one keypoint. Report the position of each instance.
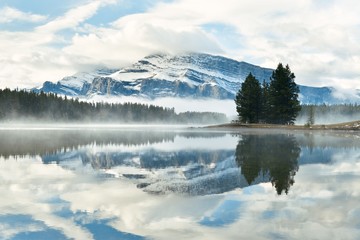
(192, 75)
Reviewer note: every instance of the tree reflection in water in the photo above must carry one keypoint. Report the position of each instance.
(273, 155)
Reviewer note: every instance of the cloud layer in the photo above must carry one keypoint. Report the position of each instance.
(8, 14)
(318, 39)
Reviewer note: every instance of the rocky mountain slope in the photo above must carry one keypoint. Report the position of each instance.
(192, 75)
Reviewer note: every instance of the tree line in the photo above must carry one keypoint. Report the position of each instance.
(316, 114)
(24, 105)
(275, 102)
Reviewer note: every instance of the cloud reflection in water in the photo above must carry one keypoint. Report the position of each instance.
(76, 198)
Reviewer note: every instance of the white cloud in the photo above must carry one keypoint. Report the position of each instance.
(319, 43)
(299, 33)
(8, 14)
(134, 40)
(319, 40)
(28, 58)
(74, 16)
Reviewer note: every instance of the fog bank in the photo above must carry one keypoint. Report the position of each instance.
(225, 106)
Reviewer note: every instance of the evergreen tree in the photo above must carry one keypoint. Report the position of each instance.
(283, 96)
(311, 118)
(249, 100)
(265, 106)
(50, 107)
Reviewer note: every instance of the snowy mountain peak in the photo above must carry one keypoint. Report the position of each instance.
(193, 75)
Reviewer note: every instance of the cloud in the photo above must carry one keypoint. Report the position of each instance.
(74, 16)
(304, 34)
(127, 44)
(29, 58)
(318, 39)
(9, 14)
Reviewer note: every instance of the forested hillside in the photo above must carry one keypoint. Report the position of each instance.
(23, 105)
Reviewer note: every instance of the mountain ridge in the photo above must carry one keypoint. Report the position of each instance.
(193, 75)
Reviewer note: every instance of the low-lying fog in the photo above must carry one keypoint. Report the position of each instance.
(227, 107)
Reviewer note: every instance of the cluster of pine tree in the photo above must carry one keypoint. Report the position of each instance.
(25, 105)
(275, 103)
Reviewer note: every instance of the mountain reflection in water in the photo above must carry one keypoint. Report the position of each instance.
(95, 184)
(185, 162)
(261, 158)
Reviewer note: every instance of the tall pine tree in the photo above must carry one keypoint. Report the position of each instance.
(249, 100)
(283, 96)
(265, 108)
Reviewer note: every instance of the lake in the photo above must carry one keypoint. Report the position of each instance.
(136, 182)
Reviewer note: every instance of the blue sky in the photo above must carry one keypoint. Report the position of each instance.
(49, 39)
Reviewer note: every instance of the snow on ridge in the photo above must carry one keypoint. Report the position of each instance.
(192, 75)
(163, 67)
(78, 80)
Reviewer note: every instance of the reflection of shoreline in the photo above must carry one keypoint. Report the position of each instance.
(40, 142)
(205, 171)
(348, 126)
(189, 162)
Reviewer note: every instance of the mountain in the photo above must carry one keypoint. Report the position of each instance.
(193, 75)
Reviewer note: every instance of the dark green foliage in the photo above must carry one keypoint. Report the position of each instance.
(265, 105)
(249, 100)
(283, 96)
(275, 103)
(23, 105)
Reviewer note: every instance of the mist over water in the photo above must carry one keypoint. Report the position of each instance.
(180, 104)
(160, 183)
(329, 118)
(329, 114)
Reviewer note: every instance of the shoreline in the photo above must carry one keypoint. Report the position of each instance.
(347, 126)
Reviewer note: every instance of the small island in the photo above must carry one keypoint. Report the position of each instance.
(276, 105)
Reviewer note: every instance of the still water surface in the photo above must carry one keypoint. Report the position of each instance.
(141, 183)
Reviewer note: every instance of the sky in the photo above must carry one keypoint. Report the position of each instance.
(45, 40)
